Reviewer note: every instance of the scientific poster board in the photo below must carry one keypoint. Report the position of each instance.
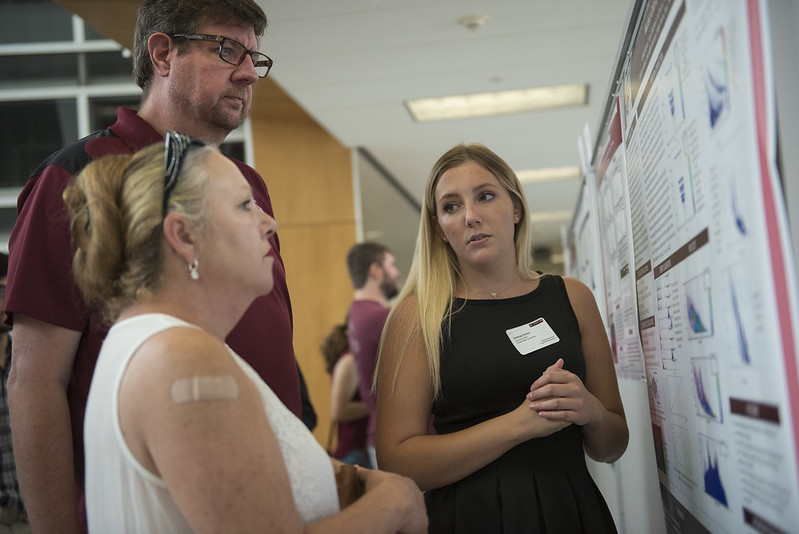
(616, 238)
(582, 243)
(711, 265)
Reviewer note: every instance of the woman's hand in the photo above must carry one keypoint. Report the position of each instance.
(560, 395)
(531, 425)
(400, 491)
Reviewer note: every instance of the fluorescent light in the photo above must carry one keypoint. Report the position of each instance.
(550, 216)
(501, 102)
(548, 174)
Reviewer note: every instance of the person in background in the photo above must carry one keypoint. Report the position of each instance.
(374, 276)
(12, 512)
(348, 413)
(196, 62)
(181, 434)
(515, 366)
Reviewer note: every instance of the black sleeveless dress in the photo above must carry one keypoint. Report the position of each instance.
(542, 485)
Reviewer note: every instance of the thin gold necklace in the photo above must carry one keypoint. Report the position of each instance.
(497, 292)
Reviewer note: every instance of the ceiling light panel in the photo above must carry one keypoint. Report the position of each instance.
(551, 216)
(497, 103)
(548, 174)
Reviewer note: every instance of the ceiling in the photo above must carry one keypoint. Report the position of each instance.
(351, 64)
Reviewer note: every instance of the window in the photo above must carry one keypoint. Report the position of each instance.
(40, 127)
(103, 110)
(38, 70)
(61, 81)
(48, 90)
(33, 21)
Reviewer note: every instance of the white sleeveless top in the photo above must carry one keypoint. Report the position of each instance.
(124, 497)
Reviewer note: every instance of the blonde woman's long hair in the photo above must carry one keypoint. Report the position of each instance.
(435, 271)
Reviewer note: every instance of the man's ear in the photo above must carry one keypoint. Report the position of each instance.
(160, 45)
(180, 236)
(375, 271)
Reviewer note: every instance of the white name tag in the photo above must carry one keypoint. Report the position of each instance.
(532, 336)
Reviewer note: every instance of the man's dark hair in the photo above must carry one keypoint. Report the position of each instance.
(184, 16)
(360, 257)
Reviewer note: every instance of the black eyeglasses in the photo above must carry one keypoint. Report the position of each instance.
(176, 145)
(233, 52)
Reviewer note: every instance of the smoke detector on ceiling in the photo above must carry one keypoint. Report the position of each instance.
(473, 22)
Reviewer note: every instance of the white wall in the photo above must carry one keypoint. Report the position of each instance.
(386, 215)
(630, 486)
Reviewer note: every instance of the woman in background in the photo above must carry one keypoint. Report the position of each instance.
(348, 412)
(513, 364)
(181, 434)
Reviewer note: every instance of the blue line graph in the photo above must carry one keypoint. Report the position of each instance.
(743, 345)
(704, 404)
(707, 389)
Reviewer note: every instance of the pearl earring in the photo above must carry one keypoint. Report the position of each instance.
(193, 269)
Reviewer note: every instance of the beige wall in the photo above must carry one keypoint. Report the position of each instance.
(309, 176)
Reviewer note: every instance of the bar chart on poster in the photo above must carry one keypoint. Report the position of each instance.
(700, 289)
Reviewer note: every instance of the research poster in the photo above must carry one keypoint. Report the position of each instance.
(585, 260)
(616, 239)
(715, 301)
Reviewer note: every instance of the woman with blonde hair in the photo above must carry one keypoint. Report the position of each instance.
(181, 434)
(514, 366)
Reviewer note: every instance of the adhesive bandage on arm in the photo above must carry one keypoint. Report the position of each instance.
(200, 388)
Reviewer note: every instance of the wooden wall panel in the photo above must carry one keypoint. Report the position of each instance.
(115, 20)
(309, 176)
(320, 294)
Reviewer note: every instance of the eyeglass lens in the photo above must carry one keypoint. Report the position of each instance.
(234, 53)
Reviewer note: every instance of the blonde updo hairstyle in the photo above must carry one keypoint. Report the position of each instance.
(116, 217)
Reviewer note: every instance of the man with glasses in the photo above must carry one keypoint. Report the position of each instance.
(195, 61)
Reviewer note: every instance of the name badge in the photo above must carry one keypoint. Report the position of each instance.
(532, 336)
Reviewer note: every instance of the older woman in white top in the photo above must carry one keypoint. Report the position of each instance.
(181, 435)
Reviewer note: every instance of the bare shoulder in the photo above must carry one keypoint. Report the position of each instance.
(346, 359)
(406, 311)
(345, 363)
(177, 353)
(402, 338)
(583, 302)
(577, 289)
(403, 321)
(160, 411)
(580, 294)
(408, 304)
